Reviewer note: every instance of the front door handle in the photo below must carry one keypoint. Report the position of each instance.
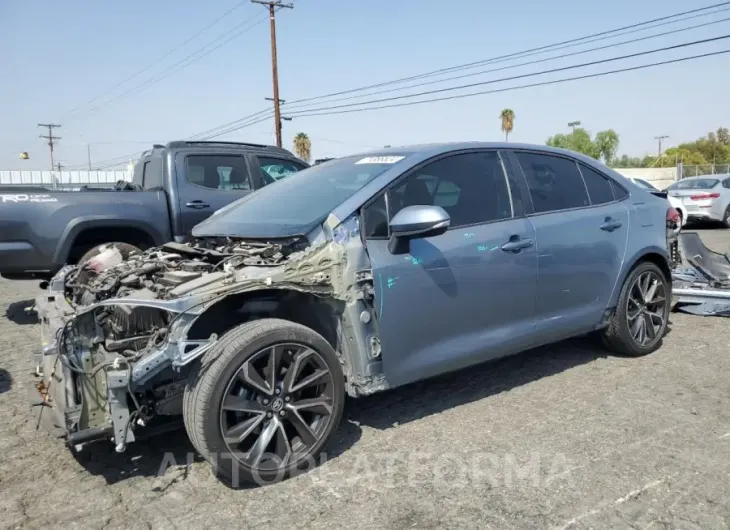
(516, 245)
(198, 205)
(609, 225)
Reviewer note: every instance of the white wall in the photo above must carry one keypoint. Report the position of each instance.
(661, 177)
(62, 178)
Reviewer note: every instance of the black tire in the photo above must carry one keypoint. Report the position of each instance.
(211, 380)
(726, 218)
(617, 337)
(125, 248)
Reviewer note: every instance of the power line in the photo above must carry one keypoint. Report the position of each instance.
(507, 89)
(183, 63)
(521, 76)
(518, 65)
(160, 59)
(52, 140)
(525, 53)
(511, 55)
(273, 6)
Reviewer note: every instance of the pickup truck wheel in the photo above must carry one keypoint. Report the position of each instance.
(125, 248)
(264, 401)
(640, 320)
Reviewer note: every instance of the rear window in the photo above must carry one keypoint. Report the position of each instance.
(694, 184)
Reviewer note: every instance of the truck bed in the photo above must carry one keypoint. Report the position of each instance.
(37, 229)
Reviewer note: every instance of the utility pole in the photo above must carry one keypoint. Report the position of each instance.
(660, 138)
(51, 139)
(272, 5)
(88, 155)
(573, 124)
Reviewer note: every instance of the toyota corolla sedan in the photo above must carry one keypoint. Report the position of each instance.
(351, 277)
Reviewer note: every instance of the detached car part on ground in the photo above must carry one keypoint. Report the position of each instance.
(703, 288)
(348, 278)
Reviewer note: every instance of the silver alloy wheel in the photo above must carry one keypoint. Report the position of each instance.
(277, 406)
(646, 308)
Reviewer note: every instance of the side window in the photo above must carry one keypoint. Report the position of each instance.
(726, 183)
(152, 174)
(218, 172)
(375, 219)
(599, 187)
(554, 182)
(145, 169)
(273, 169)
(619, 192)
(471, 187)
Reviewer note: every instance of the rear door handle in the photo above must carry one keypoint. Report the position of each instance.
(198, 205)
(516, 245)
(609, 225)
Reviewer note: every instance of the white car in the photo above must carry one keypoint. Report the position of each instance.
(676, 203)
(706, 198)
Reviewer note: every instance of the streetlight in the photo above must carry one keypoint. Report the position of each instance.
(573, 124)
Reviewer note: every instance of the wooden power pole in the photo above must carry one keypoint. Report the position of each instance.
(273, 5)
(51, 139)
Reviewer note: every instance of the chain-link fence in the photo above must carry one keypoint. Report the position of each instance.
(60, 180)
(703, 169)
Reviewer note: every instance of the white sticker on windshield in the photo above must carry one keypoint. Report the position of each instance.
(380, 160)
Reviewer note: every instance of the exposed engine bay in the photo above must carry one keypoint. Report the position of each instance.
(119, 333)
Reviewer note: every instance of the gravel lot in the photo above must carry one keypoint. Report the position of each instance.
(560, 437)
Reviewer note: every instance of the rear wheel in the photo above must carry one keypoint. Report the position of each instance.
(264, 402)
(640, 320)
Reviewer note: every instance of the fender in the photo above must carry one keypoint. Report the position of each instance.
(79, 224)
(630, 263)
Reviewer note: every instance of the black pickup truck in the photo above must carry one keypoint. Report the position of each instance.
(174, 187)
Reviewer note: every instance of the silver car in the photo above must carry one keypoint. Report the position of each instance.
(706, 198)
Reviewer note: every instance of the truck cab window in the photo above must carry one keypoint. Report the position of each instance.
(218, 172)
(273, 169)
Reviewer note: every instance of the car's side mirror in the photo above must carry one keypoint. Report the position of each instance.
(414, 222)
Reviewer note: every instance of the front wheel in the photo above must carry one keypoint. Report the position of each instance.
(264, 402)
(640, 320)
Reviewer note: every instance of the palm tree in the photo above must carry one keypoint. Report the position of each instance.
(303, 146)
(508, 122)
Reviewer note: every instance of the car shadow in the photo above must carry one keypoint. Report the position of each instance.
(16, 312)
(6, 381)
(432, 396)
(148, 457)
(154, 456)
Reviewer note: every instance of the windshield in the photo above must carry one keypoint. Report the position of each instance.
(694, 184)
(296, 203)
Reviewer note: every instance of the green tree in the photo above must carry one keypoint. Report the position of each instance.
(579, 140)
(303, 146)
(508, 122)
(607, 144)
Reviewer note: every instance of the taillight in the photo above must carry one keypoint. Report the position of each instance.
(672, 216)
(704, 196)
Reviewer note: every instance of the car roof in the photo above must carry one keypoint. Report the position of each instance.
(715, 176)
(435, 149)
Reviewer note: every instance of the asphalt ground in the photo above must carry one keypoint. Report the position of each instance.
(560, 437)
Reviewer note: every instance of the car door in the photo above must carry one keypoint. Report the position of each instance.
(581, 229)
(458, 298)
(207, 182)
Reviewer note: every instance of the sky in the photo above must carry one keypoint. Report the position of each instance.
(74, 63)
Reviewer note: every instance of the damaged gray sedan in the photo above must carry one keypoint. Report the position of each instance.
(354, 276)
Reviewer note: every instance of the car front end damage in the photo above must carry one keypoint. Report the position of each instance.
(119, 337)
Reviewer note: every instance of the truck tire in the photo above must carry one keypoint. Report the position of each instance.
(125, 248)
(276, 422)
